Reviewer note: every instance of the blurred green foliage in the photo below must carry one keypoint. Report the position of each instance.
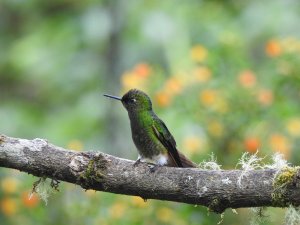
(223, 75)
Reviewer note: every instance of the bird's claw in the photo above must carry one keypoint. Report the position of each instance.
(137, 162)
(153, 167)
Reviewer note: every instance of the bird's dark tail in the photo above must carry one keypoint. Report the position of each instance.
(186, 163)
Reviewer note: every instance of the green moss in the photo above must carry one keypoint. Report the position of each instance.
(2, 139)
(284, 178)
(95, 171)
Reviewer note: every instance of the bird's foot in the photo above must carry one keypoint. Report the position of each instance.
(153, 167)
(137, 162)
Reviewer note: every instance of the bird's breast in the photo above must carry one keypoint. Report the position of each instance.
(145, 140)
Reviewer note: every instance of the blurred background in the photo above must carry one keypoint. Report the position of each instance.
(223, 75)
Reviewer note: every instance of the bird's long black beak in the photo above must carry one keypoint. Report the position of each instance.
(114, 97)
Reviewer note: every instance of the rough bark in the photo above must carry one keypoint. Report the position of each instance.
(216, 189)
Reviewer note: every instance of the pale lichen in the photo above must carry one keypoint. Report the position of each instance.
(292, 215)
(201, 190)
(259, 216)
(43, 188)
(248, 163)
(222, 218)
(210, 164)
(226, 181)
(278, 162)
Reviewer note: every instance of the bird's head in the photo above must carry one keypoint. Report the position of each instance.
(134, 100)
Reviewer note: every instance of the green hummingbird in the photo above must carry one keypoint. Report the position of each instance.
(153, 140)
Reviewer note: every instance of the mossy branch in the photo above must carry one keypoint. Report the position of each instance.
(215, 189)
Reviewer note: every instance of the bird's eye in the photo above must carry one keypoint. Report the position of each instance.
(130, 100)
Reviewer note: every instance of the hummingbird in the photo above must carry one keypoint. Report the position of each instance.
(154, 142)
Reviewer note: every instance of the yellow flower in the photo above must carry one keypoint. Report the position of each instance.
(8, 206)
(293, 127)
(202, 74)
(117, 210)
(9, 185)
(215, 128)
(138, 202)
(221, 105)
(198, 53)
(165, 214)
(75, 145)
(285, 68)
(192, 144)
(280, 143)
(90, 193)
(208, 97)
(230, 38)
(290, 45)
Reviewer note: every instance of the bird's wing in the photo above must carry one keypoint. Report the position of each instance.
(165, 137)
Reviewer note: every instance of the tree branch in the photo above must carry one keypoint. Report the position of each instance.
(216, 189)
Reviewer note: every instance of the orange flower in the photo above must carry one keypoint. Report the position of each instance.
(273, 48)
(280, 143)
(202, 74)
(265, 97)
(8, 206)
(173, 86)
(198, 53)
(30, 200)
(247, 79)
(252, 144)
(142, 70)
(163, 99)
(208, 97)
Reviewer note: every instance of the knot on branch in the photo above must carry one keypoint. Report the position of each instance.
(90, 168)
